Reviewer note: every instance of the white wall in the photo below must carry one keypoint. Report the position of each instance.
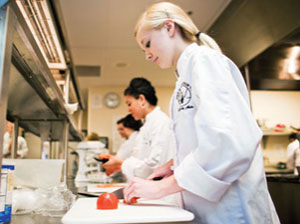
(276, 107)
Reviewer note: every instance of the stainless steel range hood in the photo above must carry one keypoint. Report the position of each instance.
(278, 67)
(251, 34)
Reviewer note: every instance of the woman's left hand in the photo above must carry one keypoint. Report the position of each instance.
(142, 189)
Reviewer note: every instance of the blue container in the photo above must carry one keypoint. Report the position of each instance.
(6, 190)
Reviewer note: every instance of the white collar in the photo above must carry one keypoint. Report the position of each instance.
(184, 56)
(152, 113)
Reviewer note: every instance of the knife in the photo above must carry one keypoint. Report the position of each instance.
(104, 160)
(119, 193)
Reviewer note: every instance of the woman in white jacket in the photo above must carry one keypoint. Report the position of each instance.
(218, 164)
(154, 144)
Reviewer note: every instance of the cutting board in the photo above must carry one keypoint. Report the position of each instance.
(146, 211)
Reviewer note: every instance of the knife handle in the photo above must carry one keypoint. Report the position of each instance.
(104, 160)
(157, 178)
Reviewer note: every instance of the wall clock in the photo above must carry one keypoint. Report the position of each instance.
(112, 100)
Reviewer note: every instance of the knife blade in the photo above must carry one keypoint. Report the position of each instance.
(119, 193)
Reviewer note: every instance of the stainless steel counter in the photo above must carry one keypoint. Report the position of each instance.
(34, 219)
(39, 219)
(274, 174)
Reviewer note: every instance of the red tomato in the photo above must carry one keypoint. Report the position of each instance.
(107, 201)
(132, 201)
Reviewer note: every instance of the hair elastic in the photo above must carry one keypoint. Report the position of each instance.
(198, 35)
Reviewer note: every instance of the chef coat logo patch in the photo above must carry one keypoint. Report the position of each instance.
(184, 96)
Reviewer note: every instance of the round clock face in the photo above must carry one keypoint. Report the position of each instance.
(112, 100)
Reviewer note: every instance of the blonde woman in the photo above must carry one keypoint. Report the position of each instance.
(218, 164)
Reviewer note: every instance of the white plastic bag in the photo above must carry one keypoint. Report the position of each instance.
(54, 201)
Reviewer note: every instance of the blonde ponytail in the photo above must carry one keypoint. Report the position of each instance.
(158, 13)
(204, 39)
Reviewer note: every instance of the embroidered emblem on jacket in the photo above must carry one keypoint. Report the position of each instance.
(184, 96)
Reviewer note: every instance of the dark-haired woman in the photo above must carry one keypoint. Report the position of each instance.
(155, 142)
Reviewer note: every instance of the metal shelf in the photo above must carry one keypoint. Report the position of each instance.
(271, 132)
(29, 94)
(33, 95)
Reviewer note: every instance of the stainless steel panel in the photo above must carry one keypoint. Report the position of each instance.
(15, 139)
(271, 70)
(7, 20)
(247, 28)
(64, 145)
(57, 14)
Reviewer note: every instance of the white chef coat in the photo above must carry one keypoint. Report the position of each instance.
(126, 148)
(293, 156)
(154, 146)
(21, 149)
(218, 160)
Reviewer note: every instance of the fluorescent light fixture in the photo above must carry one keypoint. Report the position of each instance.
(40, 23)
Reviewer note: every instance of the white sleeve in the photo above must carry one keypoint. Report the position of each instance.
(134, 167)
(227, 134)
(22, 147)
(158, 152)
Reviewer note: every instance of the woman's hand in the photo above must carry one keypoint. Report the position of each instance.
(141, 188)
(112, 165)
(162, 171)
